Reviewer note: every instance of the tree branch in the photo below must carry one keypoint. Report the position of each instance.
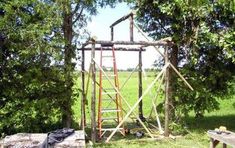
(79, 15)
(75, 9)
(164, 28)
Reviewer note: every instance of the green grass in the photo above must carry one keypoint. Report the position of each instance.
(197, 128)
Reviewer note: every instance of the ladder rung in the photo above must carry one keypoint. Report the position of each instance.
(109, 118)
(106, 110)
(109, 93)
(110, 129)
(107, 56)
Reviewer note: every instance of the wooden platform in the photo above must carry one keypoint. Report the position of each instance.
(22, 140)
(227, 138)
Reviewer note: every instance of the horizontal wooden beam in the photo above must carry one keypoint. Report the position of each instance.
(121, 19)
(155, 43)
(116, 49)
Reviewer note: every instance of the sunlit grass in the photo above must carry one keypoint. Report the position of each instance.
(196, 132)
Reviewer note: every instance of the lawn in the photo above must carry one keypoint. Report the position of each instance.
(196, 128)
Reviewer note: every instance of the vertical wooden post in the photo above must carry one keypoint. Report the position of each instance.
(93, 97)
(111, 33)
(167, 97)
(140, 85)
(131, 28)
(83, 100)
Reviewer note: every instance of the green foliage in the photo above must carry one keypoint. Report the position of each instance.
(31, 78)
(203, 32)
(36, 61)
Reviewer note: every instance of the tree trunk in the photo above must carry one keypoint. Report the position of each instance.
(141, 116)
(172, 80)
(169, 89)
(68, 66)
(167, 94)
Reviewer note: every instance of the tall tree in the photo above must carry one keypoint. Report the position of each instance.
(202, 32)
(31, 78)
(37, 61)
(75, 14)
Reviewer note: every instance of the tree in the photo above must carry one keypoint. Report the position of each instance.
(31, 78)
(38, 48)
(202, 32)
(75, 14)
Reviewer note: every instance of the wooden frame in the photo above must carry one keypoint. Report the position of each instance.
(166, 43)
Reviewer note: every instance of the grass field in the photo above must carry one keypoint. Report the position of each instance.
(196, 128)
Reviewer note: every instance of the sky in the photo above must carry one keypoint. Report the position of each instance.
(99, 27)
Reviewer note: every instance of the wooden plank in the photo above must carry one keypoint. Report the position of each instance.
(167, 98)
(155, 43)
(116, 49)
(93, 97)
(128, 78)
(83, 113)
(178, 73)
(227, 138)
(140, 86)
(131, 28)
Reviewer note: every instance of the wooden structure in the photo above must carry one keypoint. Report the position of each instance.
(95, 45)
(226, 138)
(23, 140)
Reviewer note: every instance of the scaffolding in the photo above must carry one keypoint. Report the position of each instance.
(162, 78)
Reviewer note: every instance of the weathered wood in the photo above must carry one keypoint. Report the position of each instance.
(154, 107)
(142, 33)
(177, 72)
(128, 105)
(88, 82)
(121, 19)
(116, 49)
(227, 138)
(140, 86)
(83, 112)
(93, 97)
(157, 94)
(131, 28)
(167, 97)
(22, 140)
(136, 104)
(112, 35)
(155, 43)
(128, 78)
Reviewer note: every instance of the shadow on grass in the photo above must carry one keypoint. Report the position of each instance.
(211, 122)
(198, 127)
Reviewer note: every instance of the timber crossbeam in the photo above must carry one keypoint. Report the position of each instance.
(156, 43)
(116, 49)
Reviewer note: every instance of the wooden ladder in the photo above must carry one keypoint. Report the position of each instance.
(109, 106)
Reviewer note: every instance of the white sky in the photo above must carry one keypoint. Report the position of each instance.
(99, 27)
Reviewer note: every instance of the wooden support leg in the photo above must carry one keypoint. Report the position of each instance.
(224, 145)
(213, 143)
